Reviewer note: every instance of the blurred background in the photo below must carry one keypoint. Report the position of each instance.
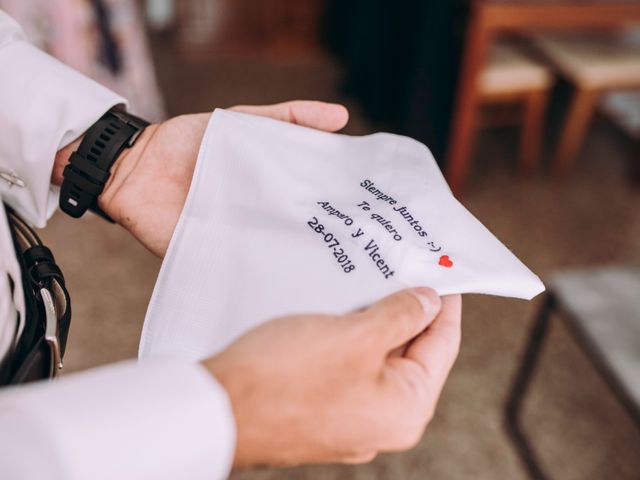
(532, 108)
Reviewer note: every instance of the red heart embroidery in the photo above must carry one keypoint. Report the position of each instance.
(445, 261)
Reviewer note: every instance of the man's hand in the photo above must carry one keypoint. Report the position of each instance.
(323, 388)
(149, 182)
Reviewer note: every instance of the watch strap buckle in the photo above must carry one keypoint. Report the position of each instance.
(137, 123)
(77, 191)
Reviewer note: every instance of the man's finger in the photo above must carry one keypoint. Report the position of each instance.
(398, 318)
(329, 117)
(437, 348)
(360, 459)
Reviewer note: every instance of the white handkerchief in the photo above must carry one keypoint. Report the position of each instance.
(282, 219)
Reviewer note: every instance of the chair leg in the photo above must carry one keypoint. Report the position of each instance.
(636, 163)
(535, 105)
(464, 121)
(519, 389)
(574, 129)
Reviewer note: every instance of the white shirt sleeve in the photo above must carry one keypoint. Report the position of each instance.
(157, 420)
(44, 106)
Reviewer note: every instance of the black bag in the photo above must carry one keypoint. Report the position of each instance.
(37, 353)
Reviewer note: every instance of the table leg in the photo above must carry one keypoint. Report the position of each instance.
(519, 389)
(534, 109)
(575, 126)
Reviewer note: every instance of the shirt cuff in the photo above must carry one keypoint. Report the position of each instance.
(45, 106)
(161, 419)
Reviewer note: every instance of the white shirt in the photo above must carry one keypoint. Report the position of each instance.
(162, 419)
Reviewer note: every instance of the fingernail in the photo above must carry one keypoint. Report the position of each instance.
(429, 299)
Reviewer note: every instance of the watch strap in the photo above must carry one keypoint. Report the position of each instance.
(89, 167)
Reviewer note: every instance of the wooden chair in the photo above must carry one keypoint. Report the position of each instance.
(510, 77)
(594, 64)
(601, 307)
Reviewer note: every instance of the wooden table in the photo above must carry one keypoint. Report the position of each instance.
(488, 18)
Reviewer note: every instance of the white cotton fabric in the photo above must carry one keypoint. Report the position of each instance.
(249, 246)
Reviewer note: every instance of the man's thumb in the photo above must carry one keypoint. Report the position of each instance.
(400, 317)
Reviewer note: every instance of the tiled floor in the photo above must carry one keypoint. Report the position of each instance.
(580, 430)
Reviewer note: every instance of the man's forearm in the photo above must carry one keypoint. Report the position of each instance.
(119, 171)
(45, 104)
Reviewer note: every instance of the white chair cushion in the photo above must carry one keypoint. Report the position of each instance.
(593, 60)
(509, 71)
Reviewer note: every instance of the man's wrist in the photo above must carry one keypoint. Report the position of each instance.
(62, 160)
(120, 170)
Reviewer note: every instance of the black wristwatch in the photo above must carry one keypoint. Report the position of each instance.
(89, 167)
